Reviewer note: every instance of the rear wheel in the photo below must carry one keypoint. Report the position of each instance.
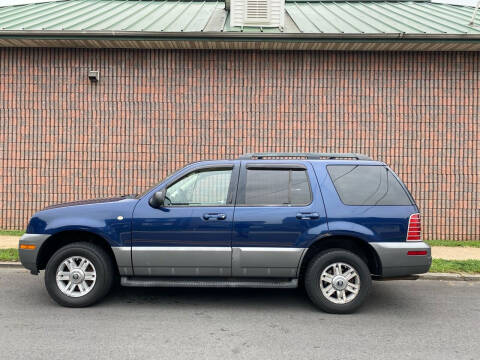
(337, 281)
(79, 274)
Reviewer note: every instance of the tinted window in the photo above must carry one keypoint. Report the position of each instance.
(299, 188)
(367, 185)
(277, 187)
(200, 189)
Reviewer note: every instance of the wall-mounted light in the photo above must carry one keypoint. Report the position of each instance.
(93, 76)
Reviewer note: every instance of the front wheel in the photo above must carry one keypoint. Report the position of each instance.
(337, 281)
(79, 274)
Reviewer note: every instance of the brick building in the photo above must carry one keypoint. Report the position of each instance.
(182, 81)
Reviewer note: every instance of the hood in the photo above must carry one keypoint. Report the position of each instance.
(96, 215)
(92, 201)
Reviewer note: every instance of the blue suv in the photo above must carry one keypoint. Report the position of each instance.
(328, 222)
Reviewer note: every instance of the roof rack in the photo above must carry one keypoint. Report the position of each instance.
(312, 156)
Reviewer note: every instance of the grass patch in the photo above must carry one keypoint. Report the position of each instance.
(12, 232)
(455, 266)
(453, 243)
(8, 255)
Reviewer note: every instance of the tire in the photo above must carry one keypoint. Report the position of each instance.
(339, 302)
(87, 286)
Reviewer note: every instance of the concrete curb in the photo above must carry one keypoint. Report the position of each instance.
(428, 276)
(10, 264)
(449, 277)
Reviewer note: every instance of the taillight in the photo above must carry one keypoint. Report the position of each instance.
(414, 228)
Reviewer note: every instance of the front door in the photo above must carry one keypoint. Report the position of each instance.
(191, 234)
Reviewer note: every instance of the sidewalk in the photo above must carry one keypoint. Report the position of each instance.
(438, 252)
(9, 242)
(455, 253)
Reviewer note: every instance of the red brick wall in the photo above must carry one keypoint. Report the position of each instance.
(63, 138)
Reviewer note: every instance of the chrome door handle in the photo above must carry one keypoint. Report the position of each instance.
(217, 216)
(307, 215)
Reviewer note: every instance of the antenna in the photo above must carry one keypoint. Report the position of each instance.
(474, 15)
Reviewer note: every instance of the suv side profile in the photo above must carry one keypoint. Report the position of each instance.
(326, 221)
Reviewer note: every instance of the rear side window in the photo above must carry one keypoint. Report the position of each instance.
(367, 185)
(277, 187)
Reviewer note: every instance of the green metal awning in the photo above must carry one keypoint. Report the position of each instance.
(342, 25)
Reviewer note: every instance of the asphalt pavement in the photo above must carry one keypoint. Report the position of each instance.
(401, 320)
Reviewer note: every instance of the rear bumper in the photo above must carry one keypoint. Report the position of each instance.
(28, 257)
(396, 262)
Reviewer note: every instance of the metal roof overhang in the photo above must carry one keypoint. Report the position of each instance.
(240, 40)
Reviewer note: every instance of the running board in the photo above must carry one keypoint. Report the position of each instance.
(133, 281)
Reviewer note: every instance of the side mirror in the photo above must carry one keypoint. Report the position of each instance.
(157, 200)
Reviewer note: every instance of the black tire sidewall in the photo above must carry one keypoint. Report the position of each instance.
(315, 269)
(104, 274)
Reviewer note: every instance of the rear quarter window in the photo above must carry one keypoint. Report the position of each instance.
(367, 185)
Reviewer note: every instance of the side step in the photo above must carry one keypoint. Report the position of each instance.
(139, 281)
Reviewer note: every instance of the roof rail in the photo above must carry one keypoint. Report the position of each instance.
(312, 156)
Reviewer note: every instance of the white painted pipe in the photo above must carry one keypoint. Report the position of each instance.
(474, 15)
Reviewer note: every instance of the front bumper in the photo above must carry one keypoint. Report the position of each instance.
(395, 260)
(28, 257)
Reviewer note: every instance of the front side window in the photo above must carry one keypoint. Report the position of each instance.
(367, 185)
(277, 187)
(200, 188)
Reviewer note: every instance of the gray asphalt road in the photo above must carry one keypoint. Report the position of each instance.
(403, 319)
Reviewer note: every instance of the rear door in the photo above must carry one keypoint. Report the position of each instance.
(277, 206)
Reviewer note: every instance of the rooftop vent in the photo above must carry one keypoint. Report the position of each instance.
(263, 13)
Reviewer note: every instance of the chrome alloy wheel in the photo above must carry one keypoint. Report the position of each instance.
(76, 276)
(340, 283)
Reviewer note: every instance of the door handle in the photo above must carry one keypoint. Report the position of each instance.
(307, 215)
(217, 216)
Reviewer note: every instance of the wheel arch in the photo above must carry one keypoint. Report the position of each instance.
(351, 243)
(62, 238)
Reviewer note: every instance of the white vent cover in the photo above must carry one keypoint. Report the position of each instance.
(257, 11)
(267, 13)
